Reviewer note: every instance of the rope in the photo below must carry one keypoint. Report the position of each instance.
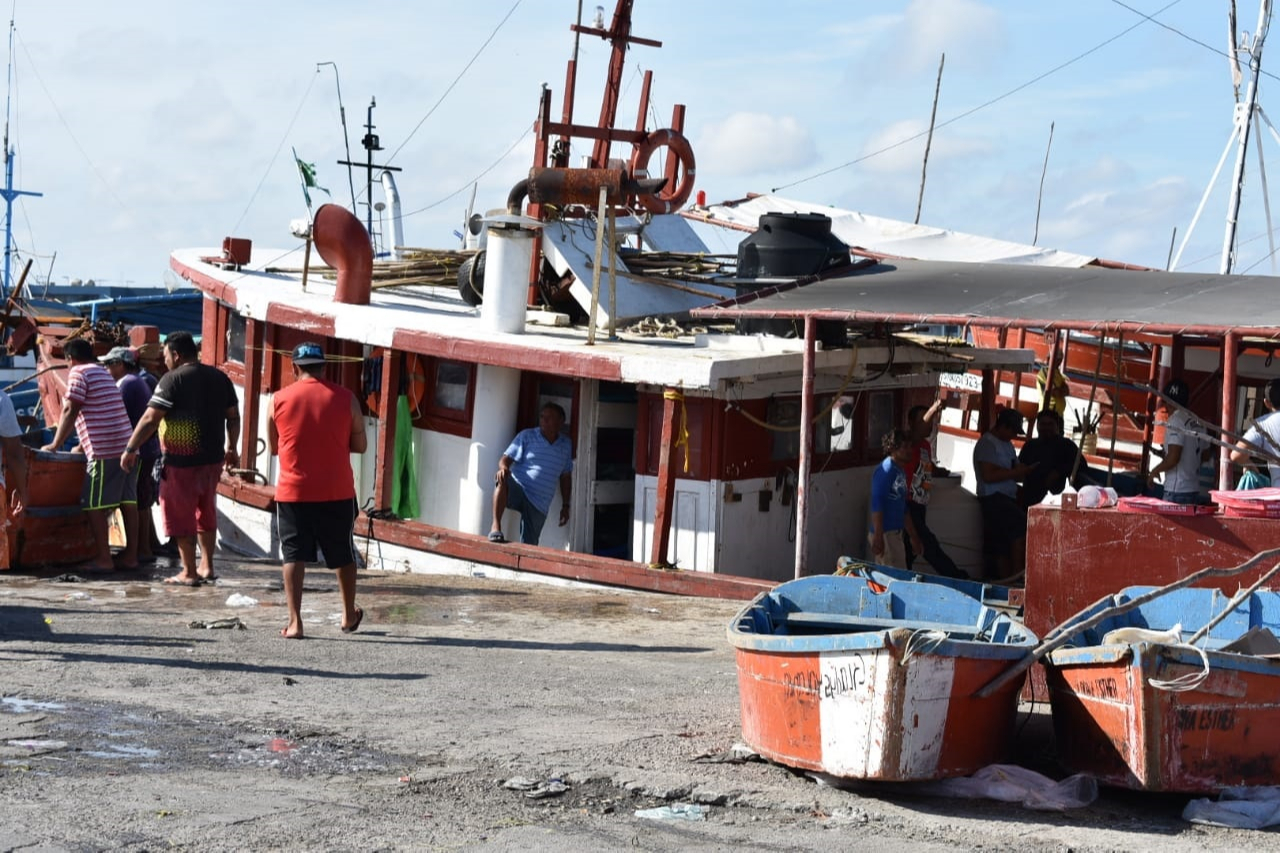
(922, 641)
(1188, 680)
(683, 440)
(848, 380)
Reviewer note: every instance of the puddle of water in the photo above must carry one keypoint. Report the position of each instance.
(39, 745)
(123, 751)
(17, 705)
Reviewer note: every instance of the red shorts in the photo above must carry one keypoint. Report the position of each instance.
(188, 499)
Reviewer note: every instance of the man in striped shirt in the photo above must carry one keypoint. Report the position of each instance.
(94, 405)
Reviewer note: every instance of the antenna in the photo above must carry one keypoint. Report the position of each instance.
(9, 193)
(346, 141)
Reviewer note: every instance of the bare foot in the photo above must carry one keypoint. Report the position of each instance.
(294, 635)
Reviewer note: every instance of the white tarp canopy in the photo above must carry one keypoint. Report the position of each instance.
(892, 238)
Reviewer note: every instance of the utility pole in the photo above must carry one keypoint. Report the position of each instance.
(933, 117)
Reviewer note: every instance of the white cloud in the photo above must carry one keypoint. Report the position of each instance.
(747, 143)
(899, 147)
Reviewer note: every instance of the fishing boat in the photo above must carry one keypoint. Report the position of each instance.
(1159, 711)
(862, 680)
(687, 434)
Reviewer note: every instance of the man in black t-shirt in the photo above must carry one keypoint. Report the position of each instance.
(1054, 457)
(193, 406)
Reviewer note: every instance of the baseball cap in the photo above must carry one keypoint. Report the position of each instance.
(121, 354)
(1012, 419)
(1178, 391)
(307, 353)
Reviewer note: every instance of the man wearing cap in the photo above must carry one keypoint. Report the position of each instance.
(193, 405)
(122, 364)
(314, 426)
(998, 472)
(93, 405)
(1185, 447)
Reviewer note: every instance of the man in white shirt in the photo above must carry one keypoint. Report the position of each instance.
(1185, 447)
(1264, 435)
(998, 472)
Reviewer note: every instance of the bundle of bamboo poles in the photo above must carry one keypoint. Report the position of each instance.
(417, 266)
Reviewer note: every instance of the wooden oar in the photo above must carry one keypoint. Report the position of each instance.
(1058, 637)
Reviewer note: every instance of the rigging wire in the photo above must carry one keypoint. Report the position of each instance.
(973, 110)
(391, 158)
(67, 127)
(275, 154)
(1178, 32)
(523, 133)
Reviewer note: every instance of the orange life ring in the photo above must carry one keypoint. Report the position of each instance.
(415, 376)
(673, 194)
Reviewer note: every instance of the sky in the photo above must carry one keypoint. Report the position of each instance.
(150, 126)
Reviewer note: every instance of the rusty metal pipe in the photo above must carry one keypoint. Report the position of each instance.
(343, 243)
(515, 198)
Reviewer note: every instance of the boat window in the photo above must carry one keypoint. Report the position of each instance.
(784, 417)
(235, 338)
(441, 394)
(453, 380)
(880, 418)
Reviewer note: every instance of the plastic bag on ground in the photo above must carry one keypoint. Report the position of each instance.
(238, 600)
(1013, 784)
(1238, 808)
(678, 811)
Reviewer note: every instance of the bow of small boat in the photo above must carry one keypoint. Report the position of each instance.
(858, 680)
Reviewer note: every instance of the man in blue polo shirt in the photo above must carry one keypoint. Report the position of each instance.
(527, 473)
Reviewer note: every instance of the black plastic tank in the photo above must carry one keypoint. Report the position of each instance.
(789, 245)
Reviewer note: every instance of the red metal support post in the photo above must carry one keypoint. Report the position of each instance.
(806, 445)
(1230, 353)
(1149, 426)
(665, 511)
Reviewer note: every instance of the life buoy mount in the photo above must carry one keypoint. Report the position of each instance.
(680, 177)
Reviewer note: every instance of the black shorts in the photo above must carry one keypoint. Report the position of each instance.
(1004, 521)
(328, 524)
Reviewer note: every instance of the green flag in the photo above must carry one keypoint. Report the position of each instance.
(307, 171)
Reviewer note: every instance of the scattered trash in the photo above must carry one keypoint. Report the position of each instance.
(289, 682)
(279, 744)
(66, 578)
(1012, 784)
(678, 811)
(739, 753)
(552, 788)
(520, 783)
(77, 596)
(229, 622)
(238, 600)
(406, 779)
(1238, 808)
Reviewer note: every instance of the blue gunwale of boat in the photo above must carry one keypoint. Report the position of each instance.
(987, 593)
(832, 613)
(1191, 608)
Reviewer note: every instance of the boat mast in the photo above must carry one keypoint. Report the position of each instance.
(1244, 119)
(9, 193)
(371, 144)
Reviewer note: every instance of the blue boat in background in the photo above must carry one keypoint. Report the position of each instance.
(864, 680)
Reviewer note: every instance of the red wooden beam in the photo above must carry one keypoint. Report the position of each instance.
(666, 480)
(385, 444)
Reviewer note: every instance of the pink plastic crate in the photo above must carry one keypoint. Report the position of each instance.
(1159, 507)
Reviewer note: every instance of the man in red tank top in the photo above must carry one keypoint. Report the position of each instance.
(314, 426)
